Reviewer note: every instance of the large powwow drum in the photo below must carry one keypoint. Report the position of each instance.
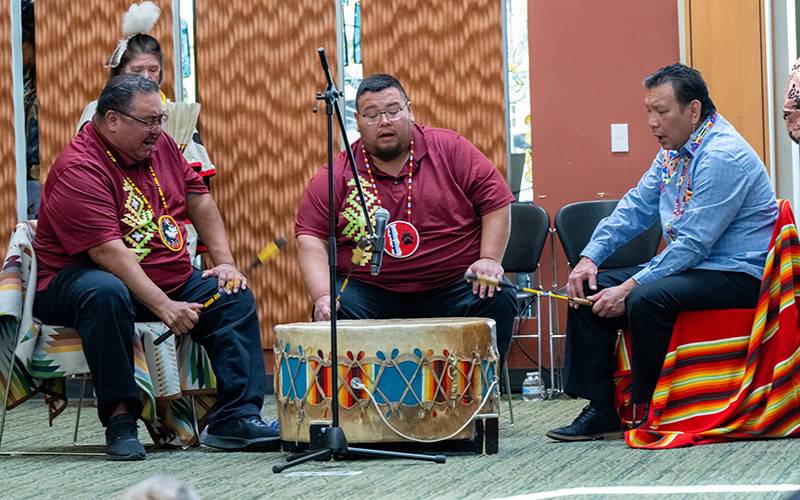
(428, 377)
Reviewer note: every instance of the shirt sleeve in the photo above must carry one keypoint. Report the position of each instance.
(719, 188)
(485, 186)
(86, 217)
(636, 212)
(312, 212)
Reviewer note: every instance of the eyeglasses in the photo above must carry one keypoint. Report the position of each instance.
(151, 124)
(392, 114)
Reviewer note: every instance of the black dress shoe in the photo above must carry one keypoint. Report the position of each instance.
(122, 440)
(591, 424)
(243, 434)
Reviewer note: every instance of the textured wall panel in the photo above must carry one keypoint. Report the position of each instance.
(73, 40)
(448, 55)
(8, 169)
(258, 72)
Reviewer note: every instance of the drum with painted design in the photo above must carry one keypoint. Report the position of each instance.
(428, 377)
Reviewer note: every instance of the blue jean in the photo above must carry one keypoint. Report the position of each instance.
(363, 301)
(101, 308)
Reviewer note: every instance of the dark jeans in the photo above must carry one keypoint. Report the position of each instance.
(101, 308)
(363, 301)
(650, 313)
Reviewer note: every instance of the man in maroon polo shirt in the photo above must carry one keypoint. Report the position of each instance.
(449, 214)
(110, 247)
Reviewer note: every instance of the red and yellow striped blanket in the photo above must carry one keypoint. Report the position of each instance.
(730, 374)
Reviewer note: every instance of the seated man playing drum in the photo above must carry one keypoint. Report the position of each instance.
(111, 251)
(449, 214)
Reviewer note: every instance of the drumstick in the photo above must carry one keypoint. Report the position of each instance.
(263, 256)
(503, 284)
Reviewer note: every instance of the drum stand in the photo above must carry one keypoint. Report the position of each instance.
(328, 441)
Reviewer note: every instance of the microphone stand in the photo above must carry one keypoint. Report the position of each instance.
(333, 443)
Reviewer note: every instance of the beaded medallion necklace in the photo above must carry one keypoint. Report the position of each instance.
(168, 230)
(401, 237)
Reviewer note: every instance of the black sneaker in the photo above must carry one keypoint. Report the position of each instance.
(590, 425)
(122, 440)
(243, 434)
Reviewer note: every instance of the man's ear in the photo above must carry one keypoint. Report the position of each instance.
(112, 120)
(696, 108)
(410, 113)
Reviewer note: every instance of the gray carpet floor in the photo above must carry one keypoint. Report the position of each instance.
(528, 463)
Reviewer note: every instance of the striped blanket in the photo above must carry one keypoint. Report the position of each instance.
(730, 374)
(40, 357)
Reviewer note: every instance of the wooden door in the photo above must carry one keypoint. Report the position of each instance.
(725, 41)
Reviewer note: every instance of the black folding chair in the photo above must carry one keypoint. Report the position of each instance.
(575, 224)
(530, 225)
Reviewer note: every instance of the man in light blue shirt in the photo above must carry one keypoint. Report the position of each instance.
(717, 209)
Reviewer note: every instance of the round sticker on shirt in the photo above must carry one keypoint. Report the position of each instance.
(401, 239)
(170, 233)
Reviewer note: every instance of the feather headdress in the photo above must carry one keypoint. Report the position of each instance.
(140, 18)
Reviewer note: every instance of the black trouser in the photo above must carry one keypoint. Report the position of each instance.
(364, 301)
(650, 313)
(101, 308)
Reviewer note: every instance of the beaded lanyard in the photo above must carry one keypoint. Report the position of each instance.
(669, 165)
(168, 229)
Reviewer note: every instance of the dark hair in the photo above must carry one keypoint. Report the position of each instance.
(28, 22)
(378, 82)
(120, 90)
(140, 44)
(688, 85)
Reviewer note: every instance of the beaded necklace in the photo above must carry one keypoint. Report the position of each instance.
(409, 179)
(401, 237)
(168, 229)
(670, 164)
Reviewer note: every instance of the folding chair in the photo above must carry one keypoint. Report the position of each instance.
(529, 227)
(575, 224)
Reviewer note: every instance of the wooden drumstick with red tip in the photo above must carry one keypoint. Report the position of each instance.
(486, 280)
(267, 253)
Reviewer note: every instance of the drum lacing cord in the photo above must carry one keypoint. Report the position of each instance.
(357, 384)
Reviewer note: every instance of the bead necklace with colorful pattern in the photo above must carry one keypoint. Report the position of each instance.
(168, 229)
(401, 237)
(669, 165)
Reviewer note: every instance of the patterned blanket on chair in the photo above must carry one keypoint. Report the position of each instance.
(175, 377)
(736, 385)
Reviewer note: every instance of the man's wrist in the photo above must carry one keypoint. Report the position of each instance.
(629, 284)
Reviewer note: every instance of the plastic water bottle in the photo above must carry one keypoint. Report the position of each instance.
(532, 387)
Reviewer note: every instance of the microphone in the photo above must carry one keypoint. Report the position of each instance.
(381, 218)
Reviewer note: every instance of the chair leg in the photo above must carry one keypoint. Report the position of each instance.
(78, 414)
(6, 394)
(508, 391)
(194, 420)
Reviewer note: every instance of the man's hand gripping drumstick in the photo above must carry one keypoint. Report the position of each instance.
(267, 253)
(471, 277)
